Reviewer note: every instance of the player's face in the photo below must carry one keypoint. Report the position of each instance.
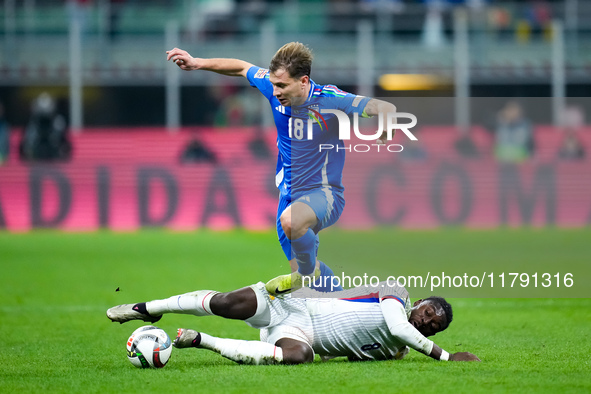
(289, 91)
(427, 318)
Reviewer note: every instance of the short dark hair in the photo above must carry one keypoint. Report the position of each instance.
(295, 58)
(446, 308)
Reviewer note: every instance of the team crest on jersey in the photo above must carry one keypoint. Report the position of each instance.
(314, 114)
(261, 73)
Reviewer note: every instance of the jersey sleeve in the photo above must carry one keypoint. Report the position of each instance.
(347, 102)
(259, 78)
(396, 292)
(397, 321)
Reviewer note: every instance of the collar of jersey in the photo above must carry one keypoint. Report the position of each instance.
(311, 92)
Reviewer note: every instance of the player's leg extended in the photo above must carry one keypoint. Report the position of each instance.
(323, 279)
(240, 304)
(328, 205)
(297, 228)
(307, 244)
(279, 343)
(285, 350)
(297, 221)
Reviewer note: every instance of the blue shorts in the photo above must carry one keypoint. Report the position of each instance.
(326, 203)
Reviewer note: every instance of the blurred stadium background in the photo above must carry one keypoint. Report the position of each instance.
(145, 144)
(115, 54)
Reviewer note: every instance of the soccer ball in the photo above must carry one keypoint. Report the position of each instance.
(149, 347)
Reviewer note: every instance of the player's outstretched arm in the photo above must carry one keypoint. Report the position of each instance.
(231, 67)
(375, 107)
(395, 317)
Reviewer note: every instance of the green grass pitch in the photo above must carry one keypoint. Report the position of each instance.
(55, 288)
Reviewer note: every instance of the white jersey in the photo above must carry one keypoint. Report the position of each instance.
(364, 323)
(353, 325)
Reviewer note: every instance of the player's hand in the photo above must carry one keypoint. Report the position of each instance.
(463, 356)
(383, 138)
(183, 59)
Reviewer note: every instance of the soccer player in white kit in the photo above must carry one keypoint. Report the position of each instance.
(364, 323)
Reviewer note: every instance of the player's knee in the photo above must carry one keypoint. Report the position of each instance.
(286, 224)
(237, 304)
(221, 302)
(297, 353)
(293, 227)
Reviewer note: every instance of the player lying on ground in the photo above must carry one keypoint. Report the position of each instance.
(364, 323)
(309, 180)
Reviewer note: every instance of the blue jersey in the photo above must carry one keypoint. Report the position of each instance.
(301, 165)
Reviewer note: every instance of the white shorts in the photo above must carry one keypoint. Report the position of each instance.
(281, 317)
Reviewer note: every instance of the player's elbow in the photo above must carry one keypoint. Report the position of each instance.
(245, 66)
(386, 107)
(405, 333)
(377, 107)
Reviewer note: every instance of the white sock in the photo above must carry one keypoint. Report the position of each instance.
(243, 352)
(195, 303)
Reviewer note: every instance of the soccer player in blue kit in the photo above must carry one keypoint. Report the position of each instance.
(309, 178)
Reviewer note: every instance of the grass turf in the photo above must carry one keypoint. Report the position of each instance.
(55, 288)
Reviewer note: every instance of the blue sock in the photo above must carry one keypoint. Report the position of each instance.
(326, 277)
(304, 250)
